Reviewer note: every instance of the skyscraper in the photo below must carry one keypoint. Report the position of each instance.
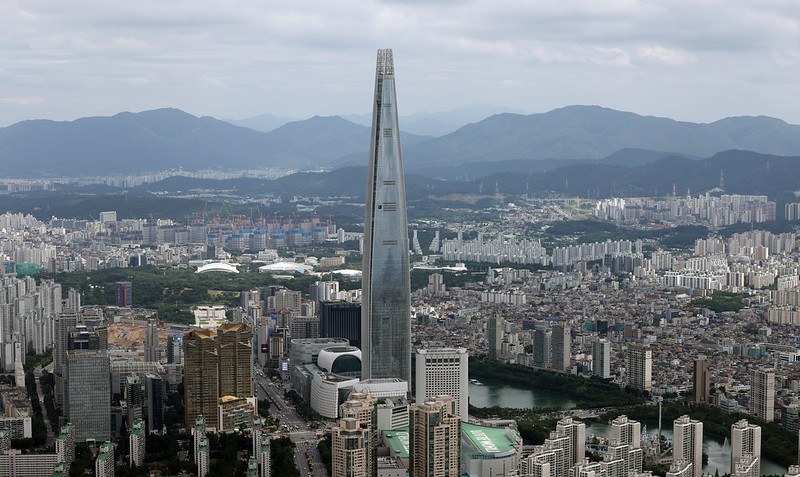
(601, 358)
(88, 391)
(561, 342)
(201, 377)
(235, 360)
(688, 443)
(152, 348)
(123, 292)
(495, 336)
(640, 367)
(386, 285)
(443, 371)
(434, 439)
(762, 393)
(702, 380)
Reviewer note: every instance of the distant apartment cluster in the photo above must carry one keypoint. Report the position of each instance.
(718, 211)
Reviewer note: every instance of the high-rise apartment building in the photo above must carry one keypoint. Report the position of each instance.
(688, 443)
(123, 291)
(136, 441)
(354, 439)
(201, 376)
(216, 366)
(434, 439)
(601, 358)
(495, 336)
(702, 380)
(443, 371)
(386, 281)
(639, 367)
(746, 447)
(626, 431)
(235, 360)
(152, 348)
(576, 431)
(88, 394)
(762, 393)
(104, 464)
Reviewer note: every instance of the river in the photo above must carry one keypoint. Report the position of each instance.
(489, 393)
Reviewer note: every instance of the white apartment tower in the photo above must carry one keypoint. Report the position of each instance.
(443, 371)
(745, 441)
(688, 443)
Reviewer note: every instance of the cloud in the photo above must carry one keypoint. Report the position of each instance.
(316, 56)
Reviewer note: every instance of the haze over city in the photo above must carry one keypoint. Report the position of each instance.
(694, 61)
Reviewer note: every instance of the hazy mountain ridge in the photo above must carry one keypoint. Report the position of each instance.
(592, 132)
(168, 139)
(743, 172)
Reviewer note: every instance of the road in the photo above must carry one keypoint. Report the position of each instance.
(51, 438)
(303, 437)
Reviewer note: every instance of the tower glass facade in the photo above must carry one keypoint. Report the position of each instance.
(386, 287)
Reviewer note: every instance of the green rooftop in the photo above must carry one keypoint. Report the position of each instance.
(488, 440)
(398, 441)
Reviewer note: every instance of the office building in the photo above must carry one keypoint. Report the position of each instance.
(746, 441)
(386, 282)
(65, 322)
(601, 358)
(88, 394)
(201, 376)
(702, 380)
(443, 371)
(762, 393)
(174, 347)
(434, 439)
(104, 464)
(688, 443)
(495, 336)
(639, 367)
(155, 393)
(124, 294)
(561, 347)
(339, 319)
(235, 360)
(152, 348)
(542, 345)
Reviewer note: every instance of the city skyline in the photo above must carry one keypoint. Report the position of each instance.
(685, 60)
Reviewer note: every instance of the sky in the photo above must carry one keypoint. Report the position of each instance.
(690, 60)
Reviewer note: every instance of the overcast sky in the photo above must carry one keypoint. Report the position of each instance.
(694, 60)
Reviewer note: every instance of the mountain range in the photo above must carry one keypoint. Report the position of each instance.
(169, 139)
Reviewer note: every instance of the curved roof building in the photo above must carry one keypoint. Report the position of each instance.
(217, 267)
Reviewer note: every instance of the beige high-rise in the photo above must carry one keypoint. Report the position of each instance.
(435, 438)
(353, 440)
(201, 377)
(762, 393)
(235, 360)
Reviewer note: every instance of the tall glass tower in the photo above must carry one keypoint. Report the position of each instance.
(386, 286)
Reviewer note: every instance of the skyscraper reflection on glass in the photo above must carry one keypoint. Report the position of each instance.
(386, 286)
